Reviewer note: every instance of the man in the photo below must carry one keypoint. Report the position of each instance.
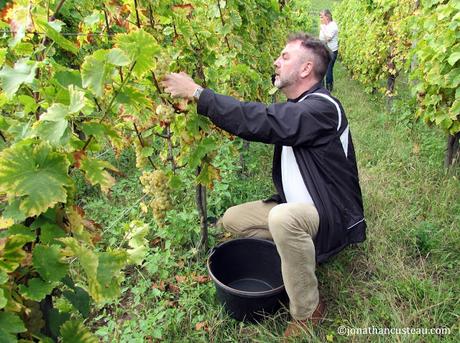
(318, 209)
(329, 33)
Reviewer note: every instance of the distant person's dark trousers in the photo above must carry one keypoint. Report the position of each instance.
(329, 73)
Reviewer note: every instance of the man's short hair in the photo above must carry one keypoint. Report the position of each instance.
(320, 52)
(326, 13)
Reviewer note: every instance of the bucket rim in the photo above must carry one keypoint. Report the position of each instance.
(246, 294)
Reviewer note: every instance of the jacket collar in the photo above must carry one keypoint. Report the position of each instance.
(309, 91)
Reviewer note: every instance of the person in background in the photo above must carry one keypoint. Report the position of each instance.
(329, 33)
(318, 208)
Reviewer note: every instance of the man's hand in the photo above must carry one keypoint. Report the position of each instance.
(179, 85)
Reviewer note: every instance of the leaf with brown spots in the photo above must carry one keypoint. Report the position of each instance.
(160, 286)
(200, 278)
(173, 288)
(202, 326)
(181, 278)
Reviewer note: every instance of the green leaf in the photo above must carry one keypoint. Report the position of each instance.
(18, 229)
(74, 331)
(453, 58)
(3, 52)
(137, 242)
(68, 78)
(47, 260)
(12, 254)
(99, 130)
(56, 319)
(12, 79)
(56, 36)
(37, 289)
(3, 277)
(3, 299)
(141, 47)
(34, 174)
(29, 103)
(204, 147)
(117, 57)
(12, 211)
(80, 300)
(95, 71)
(56, 112)
(50, 232)
(10, 325)
(77, 100)
(96, 174)
(109, 275)
(54, 132)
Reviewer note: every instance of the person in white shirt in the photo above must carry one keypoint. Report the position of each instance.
(329, 33)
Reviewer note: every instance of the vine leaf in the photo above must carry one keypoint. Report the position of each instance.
(35, 175)
(141, 47)
(11, 252)
(73, 331)
(51, 33)
(95, 71)
(97, 68)
(137, 241)
(80, 299)
(53, 124)
(47, 260)
(10, 325)
(95, 172)
(103, 270)
(37, 289)
(77, 99)
(3, 299)
(12, 78)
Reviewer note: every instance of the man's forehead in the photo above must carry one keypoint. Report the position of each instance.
(293, 46)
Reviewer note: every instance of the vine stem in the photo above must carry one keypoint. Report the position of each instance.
(137, 14)
(223, 23)
(200, 199)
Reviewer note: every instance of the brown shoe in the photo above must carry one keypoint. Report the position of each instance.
(298, 327)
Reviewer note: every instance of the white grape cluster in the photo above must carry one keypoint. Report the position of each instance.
(164, 113)
(156, 185)
(141, 161)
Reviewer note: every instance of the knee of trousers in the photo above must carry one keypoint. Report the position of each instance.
(230, 219)
(281, 222)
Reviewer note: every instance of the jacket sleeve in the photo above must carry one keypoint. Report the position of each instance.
(312, 121)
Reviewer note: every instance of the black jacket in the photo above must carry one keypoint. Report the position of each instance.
(319, 137)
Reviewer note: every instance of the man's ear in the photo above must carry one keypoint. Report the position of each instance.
(307, 69)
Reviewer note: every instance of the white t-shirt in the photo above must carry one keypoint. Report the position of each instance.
(329, 33)
(293, 185)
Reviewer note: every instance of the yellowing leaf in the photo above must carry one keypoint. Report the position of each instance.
(34, 175)
(96, 174)
(74, 331)
(5, 222)
(141, 48)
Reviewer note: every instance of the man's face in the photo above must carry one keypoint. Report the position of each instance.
(289, 65)
(323, 19)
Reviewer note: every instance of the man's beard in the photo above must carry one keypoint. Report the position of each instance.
(287, 80)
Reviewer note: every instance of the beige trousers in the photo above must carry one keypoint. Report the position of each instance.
(292, 227)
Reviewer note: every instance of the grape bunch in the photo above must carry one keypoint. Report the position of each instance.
(141, 161)
(156, 185)
(164, 114)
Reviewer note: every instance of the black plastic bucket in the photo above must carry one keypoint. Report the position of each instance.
(247, 275)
